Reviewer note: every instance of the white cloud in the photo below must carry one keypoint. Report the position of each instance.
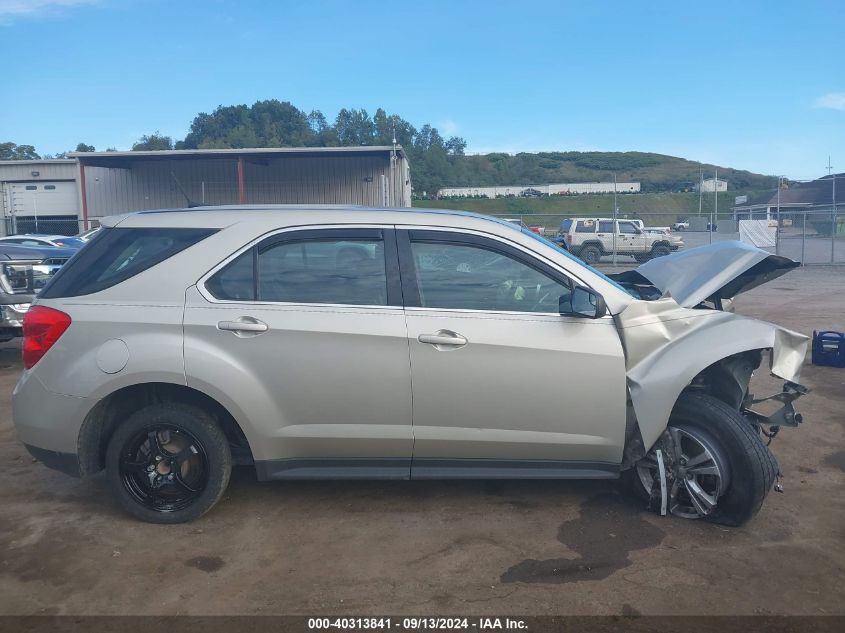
(10, 10)
(832, 101)
(448, 127)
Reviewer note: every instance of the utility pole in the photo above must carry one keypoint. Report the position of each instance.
(715, 203)
(777, 218)
(700, 187)
(832, 212)
(615, 219)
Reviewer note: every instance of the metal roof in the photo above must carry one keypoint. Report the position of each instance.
(107, 159)
(39, 161)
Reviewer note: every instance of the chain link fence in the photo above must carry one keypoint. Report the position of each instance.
(799, 220)
(47, 225)
(803, 223)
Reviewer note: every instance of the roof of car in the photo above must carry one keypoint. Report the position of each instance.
(293, 215)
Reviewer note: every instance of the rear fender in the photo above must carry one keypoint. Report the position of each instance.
(667, 347)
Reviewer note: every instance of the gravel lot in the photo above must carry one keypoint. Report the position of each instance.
(444, 548)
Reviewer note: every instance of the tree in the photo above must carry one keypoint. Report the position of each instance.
(82, 147)
(270, 123)
(354, 127)
(455, 146)
(152, 142)
(12, 151)
(324, 134)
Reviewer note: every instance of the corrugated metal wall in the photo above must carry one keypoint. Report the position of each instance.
(21, 171)
(345, 179)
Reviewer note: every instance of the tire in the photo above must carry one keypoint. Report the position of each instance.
(748, 467)
(590, 254)
(188, 475)
(660, 250)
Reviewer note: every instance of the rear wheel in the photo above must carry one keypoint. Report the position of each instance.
(168, 463)
(716, 464)
(590, 254)
(660, 250)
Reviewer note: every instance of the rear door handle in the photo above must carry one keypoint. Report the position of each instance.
(445, 338)
(243, 325)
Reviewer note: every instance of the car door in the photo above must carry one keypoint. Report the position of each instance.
(503, 384)
(633, 239)
(605, 234)
(303, 335)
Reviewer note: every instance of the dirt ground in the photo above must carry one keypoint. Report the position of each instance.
(440, 548)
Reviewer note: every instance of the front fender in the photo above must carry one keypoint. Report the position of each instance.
(666, 346)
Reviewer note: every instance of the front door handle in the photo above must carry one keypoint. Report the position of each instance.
(445, 338)
(243, 326)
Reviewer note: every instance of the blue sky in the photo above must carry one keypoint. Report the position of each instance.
(751, 85)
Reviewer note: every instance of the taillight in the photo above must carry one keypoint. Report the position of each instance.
(569, 238)
(42, 327)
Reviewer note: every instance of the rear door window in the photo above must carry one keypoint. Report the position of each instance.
(327, 266)
(115, 255)
(323, 271)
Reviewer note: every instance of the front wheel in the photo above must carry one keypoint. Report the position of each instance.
(168, 463)
(717, 468)
(590, 254)
(660, 250)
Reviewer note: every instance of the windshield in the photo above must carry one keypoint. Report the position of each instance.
(542, 239)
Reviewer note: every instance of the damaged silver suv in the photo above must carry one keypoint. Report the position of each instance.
(338, 343)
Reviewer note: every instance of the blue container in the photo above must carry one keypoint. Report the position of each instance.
(829, 349)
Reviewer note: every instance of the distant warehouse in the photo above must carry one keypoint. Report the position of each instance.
(563, 188)
(65, 196)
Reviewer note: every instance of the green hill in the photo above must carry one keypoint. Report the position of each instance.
(656, 209)
(656, 172)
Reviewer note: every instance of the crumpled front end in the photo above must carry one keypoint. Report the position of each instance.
(667, 347)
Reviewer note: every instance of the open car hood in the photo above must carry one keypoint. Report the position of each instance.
(721, 270)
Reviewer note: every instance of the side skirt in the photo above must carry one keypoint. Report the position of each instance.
(435, 468)
(430, 468)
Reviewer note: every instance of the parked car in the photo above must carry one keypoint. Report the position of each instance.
(179, 343)
(666, 230)
(86, 236)
(43, 239)
(24, 270)
(681, 225)
(592, 238)
(532, 193)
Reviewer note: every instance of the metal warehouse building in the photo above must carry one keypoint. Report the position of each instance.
(561, 188)
(39, 196)
(97, 184)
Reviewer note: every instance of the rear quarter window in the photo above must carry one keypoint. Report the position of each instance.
(115, 255)
(585, 226)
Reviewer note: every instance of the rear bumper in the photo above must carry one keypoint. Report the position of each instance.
(68, 463)
(47, 421)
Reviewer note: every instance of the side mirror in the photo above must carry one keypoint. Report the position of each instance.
(583, 302)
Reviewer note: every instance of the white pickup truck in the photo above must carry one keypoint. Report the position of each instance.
(591, 238)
